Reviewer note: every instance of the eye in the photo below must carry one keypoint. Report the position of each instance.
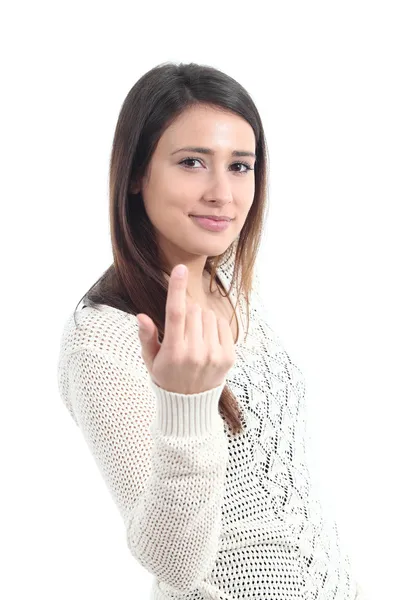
(243, 164)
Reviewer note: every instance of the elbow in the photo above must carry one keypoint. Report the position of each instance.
(178, 564)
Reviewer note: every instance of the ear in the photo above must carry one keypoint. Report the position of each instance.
(134, 187)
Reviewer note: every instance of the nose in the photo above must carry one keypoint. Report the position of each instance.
(219, 188)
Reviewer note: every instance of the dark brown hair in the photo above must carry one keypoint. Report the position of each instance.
(135, 282)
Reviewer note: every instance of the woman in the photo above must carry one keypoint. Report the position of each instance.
(196, 422)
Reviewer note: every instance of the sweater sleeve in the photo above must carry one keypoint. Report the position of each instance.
(163, 457)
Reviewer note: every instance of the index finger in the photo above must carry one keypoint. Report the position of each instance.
(175, 308)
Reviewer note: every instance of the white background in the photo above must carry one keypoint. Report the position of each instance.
(325, 78)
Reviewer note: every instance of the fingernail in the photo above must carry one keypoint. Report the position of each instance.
(181, 270)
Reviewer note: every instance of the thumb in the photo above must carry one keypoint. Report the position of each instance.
(148, 335)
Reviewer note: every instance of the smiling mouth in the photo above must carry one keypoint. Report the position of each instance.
(211, 224)
(228, 219)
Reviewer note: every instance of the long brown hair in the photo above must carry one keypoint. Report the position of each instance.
(135, 282)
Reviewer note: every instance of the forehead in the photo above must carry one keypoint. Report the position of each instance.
(209, 126)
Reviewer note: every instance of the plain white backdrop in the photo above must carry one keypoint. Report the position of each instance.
(325, 78)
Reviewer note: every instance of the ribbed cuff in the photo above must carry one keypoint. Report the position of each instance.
(187, 415)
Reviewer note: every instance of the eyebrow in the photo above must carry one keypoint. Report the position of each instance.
(209, 151)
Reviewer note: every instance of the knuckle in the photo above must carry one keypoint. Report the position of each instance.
(214, 359)
(175, 313)
(231, 358)
(176, 357)
(196, 359)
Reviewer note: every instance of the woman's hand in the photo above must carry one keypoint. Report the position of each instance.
(197, 350)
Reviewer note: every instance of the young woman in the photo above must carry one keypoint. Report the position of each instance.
(197, 423)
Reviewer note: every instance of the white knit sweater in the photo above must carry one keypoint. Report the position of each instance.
(210, 515)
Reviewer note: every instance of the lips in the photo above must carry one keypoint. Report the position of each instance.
(211, 224)
(214, 218)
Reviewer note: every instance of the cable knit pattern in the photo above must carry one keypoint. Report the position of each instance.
(210, 515)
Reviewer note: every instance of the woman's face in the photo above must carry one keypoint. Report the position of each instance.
(216, 183)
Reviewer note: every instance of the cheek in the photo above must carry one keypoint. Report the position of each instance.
(167, 207)
(177, 194)
(173, 183)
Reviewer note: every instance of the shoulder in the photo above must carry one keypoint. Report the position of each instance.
(103, 330)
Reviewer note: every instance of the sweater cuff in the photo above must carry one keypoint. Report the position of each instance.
(188, 415)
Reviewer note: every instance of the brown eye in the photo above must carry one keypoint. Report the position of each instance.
(193, 159)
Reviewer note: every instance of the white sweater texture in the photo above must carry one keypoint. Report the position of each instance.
(211, 515)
